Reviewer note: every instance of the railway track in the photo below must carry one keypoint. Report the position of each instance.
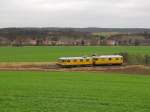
(45, 66)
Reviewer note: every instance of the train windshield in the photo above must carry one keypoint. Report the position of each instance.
(60, 60)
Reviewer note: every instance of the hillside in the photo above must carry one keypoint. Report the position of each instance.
(90, 29)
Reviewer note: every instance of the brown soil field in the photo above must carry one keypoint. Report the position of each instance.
(51, 66)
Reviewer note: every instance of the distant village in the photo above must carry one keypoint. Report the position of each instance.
(72, 38)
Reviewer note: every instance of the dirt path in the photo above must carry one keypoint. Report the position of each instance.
(51, 66)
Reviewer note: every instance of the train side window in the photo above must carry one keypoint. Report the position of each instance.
(117, 58)
(87, 60)
(75, 60)
(110, 59)
(68, 60)
(81, 60)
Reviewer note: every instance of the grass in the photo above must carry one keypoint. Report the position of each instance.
(43, 54)
(73, 92)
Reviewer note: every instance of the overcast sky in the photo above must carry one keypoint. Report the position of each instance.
(75, 13)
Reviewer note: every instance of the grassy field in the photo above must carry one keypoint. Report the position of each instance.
(73, 92)
(34, 54)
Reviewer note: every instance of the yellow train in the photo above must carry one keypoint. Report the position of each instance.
(90, 61)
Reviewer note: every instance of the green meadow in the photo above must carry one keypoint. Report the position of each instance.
(24, 91)
(73, 92)
(44, 54)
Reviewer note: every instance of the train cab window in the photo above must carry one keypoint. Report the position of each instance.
(81, 60)
(110, 59)
(121, 58)
(62, 60)
(117, 58)
(87, 60)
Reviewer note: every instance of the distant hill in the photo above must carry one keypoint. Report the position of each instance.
(120, 30)
(90, 29)
(74, 36)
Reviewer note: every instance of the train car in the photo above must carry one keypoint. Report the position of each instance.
(108, 60)
(75, 61)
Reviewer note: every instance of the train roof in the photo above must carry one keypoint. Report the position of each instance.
(101, 56)
(108, 56)
(69, 58)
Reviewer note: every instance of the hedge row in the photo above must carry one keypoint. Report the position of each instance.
(136, 58)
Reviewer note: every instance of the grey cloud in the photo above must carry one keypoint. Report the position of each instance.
(74, 13)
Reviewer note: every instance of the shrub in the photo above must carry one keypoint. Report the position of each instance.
(133, 59)
(125, 56)
(147, 59)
